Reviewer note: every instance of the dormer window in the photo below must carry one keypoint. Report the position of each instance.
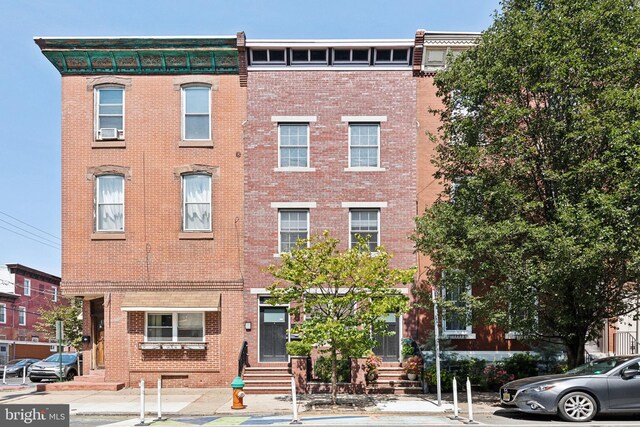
(392, 56)
(308, 56)
(267, 56)
(351, 56)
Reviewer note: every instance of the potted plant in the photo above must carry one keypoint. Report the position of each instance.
(371, 365)
(407, 349)
(412, 367)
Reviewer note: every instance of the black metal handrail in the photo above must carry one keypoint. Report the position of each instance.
(418, 352)
(243, 358)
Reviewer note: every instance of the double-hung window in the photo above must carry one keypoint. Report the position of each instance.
(3, 313)
(54, 293)
(110, 203)
(364, 145)
(22, 316)
(196, 202)
(294, 225)
(293, 145)
(196, 113)
(457, 321)
(365, 223)
(26, 287)
(109, 113)
(175, 327)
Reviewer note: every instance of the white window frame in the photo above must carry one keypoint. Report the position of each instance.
(280, 210)
(365, 209)
(183, 112)
(308, 61)
(22, 316)
(294, 168)
(466, 333)
(350, 60)
(377, 61)
(54, 290)
(269, 60)
(3, 313)
(184, 204)
(26, 287)
(97, 205)
(174, 326)
(350, 166)
(96, 97)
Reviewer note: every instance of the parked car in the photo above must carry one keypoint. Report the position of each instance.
(607, 385)
(16, 367)
(49, 368)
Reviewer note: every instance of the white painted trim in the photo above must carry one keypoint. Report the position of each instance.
(184, 204)
(24, 310)
(280, 222)
(294, 169)
(458, 335)
(3, 310)
(311, 43)
(296, 67)
(171, 309)
(26, 287)
(349, 145)
(174, 326)
(294, 119)
(97, 204)
(364, 169)
(132, 37)
(486, 355)
(266, 294)
(379, 223)
(364, 205)
(293, 205)
(96, 110)
(364, 119)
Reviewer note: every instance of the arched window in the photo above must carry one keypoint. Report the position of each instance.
(196, 112)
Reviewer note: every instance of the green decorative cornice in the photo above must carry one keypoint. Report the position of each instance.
(180, 55)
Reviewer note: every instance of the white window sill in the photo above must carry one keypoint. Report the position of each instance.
(460, 335)
(364, 169)
(160, 345)
(294, 169)
(512, 336)
(277, 255)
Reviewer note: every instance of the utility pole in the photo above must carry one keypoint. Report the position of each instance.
(437, 344)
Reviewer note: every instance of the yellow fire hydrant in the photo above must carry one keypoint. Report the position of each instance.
(238, 394)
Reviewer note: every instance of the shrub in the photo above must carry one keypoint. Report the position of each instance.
(322, 370)
(522, 365)
(407, 348)
(446, 378)
(472, 368)
(495, 376)
(298, 348)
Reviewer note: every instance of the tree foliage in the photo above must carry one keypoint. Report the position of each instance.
(69, 310)
(343, 295)
(542, 120)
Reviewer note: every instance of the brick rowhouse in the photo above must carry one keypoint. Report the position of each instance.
(162, 293)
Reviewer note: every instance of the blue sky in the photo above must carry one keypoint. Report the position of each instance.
(30, 86)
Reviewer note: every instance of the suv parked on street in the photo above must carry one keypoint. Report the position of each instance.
(49, 368)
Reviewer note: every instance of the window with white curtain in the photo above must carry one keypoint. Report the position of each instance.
(196, 112)
(22, 316)
(110, 203)
(174, 327)
(196, 200)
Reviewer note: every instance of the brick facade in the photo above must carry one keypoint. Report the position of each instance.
(327, 95)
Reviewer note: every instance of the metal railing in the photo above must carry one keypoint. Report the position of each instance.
(243, 357)
(423, 369)
(625, 343)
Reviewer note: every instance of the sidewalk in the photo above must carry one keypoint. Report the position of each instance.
(217, 401)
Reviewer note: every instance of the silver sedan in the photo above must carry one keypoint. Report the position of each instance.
(608, 385)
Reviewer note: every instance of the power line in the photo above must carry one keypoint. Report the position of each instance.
(33, 234)
(29, 225)
(44, 291)
(30, 238)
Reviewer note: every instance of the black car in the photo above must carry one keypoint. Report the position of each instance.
(17, 367)
(607, 385)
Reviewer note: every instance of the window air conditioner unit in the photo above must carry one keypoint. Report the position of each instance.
(107, 133)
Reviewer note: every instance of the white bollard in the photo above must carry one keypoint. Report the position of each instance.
(470, 420)
(4, 375)
(455, 400)
(295, 402)
(142, 411)
(159, 402)
(24, 374)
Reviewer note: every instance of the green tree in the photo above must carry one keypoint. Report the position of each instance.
(345, 295)
(543, 163)
(69, 310)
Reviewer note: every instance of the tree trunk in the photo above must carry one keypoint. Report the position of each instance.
(575, 351)
(334, 376)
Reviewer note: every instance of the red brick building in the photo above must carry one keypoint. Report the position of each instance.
(152, 201)
(24, 291)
